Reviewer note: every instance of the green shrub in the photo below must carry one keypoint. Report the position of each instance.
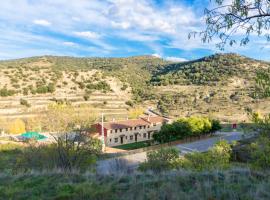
(25, 103)
(4, 92)
(86, 97)
(160, 160)
(260, 153)
(218, 157)
(130, 103)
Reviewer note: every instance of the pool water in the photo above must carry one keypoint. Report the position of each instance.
(33, 135)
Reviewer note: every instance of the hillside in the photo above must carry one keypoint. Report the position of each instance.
(221, 85)
(101, 82)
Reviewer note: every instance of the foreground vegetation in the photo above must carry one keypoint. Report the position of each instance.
(233, 184)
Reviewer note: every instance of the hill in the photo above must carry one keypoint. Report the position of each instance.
(106, 83)
(221, 85)
(209, 70)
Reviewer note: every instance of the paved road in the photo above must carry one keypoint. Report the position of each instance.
(133, 160)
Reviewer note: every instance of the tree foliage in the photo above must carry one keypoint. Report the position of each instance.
(16, 127)
(186, 127)
(263, 83)
(227, 19)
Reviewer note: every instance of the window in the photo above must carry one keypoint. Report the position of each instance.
(154, 124)
(126, 137)
(126, 129)
(120, 130)
(131, 128)
(135, 128)
(115, 130)
(131, 137)
(148, 126)
(140, 127)
(144, 127)
(110, 140)
(144, 135)
(115, 140)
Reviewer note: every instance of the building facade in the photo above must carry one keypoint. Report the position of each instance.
(130, 131)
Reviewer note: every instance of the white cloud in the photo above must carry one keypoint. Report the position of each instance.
(176, 59)
(42, 22)
(123, 25)
(71, 44)
(87, 34)
(156, 55)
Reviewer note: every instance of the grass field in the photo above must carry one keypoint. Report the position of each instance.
(136, 145)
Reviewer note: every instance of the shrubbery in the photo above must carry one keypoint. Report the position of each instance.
(4, 92)
(163, 159)
(25, 103)
(186, 127)
(218, 157)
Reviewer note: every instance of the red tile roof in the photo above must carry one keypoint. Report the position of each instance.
(133, 123)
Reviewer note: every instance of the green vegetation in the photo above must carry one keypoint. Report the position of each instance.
(262, 83)
(160, 160)
(4, 92)
(136, 145)
(186, 127)
(205, 71)
(25, 103)
(232, 184)
(102, 85)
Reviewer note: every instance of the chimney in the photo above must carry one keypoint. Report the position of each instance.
(127, 117)
(148, 118)
(113, 119)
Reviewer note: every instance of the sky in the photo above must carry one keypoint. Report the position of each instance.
(110, 28)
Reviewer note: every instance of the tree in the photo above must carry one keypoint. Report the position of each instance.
(135, 112)
(216, 126)
(16, 127)
(70, 126)
(238, 16)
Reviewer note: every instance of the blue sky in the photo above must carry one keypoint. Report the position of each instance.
(109, 28)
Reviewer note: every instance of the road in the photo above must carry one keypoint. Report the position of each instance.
(132, 161)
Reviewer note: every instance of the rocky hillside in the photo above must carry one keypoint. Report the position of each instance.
(221, 85)
(110, 84)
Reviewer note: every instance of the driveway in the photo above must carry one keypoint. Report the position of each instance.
(131, 161)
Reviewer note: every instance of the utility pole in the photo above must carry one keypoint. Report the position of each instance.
(102, 132)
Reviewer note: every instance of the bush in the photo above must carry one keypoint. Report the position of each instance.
(86, 97)
(216, 126)
(4, 92)
(260, 158)
(25, 103)
(160, 160)
(218, 157)
(124, 87)
(130, 103)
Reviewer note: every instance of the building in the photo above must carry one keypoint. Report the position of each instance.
(130, 131)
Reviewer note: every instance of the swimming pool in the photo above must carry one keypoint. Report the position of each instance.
(33, 135)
